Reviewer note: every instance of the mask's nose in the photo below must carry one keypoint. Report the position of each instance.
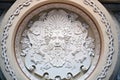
(57, 43)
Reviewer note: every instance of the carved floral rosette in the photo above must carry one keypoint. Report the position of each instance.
(58, 40)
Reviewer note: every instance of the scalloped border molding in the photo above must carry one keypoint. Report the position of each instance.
(90, 3)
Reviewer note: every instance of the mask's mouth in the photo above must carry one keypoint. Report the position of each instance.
(58, 47)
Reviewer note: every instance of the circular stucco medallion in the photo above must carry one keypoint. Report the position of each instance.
(57, 42)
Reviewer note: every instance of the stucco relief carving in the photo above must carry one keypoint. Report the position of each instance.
(57, 42)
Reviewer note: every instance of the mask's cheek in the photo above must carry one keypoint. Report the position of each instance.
(50, 46)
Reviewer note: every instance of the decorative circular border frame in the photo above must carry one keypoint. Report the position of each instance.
(96, 10)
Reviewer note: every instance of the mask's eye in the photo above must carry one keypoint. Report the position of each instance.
(53, 38)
